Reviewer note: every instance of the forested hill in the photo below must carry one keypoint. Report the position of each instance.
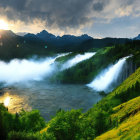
(14, 46)
(85, 71)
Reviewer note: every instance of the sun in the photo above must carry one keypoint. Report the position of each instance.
(3, 25)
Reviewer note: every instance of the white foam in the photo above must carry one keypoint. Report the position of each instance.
(107, 76)
(77, 59)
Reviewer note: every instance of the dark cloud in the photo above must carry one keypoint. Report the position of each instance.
(98, 6)
(60, 13)
(63, 13)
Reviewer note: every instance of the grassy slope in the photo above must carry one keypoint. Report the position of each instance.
(128, 129)
(126, 109)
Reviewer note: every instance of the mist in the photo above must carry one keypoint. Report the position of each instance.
(17, 71)
(25, 70)
(77, 59)
(108, 76)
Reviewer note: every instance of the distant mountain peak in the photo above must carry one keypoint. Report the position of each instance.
(137, 38)
(44, 31)
(30, 35)
(7, 33)
(44, 35)
(86, 36)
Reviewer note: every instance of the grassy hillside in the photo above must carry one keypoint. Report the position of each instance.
(129, 129)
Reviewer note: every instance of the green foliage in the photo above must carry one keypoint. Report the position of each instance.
(128, 129)
(126, 109)
(85, 71)
(65, 58)
(65, 125)
(3, 131)
(22, 122)
(31, 121)
(22, 136)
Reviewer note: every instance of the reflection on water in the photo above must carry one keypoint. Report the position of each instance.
(49, 98)
(14, 103)
(7, 101)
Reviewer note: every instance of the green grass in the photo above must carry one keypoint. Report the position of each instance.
(124, 110)
(129, 129)
(65, 58)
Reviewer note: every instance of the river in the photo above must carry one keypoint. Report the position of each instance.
(48, 98)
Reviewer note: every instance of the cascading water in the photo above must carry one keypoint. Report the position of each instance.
(77, 59)
(63, 54)
(35, 69)
(27, 69)
(108, 79)
(24, 70)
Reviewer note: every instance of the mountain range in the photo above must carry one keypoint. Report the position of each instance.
(57, 40)
(45, 43)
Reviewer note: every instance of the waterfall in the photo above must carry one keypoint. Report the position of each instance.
(111, 77)
(77, 59)
(27, 69)
(35, 69)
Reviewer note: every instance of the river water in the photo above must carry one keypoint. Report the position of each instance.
(48, 98)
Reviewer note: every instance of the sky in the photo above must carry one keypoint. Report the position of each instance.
(97, 18)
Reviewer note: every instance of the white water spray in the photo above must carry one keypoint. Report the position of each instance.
(27, 69)
(24, 70)
(77, 59)
(62, 54)
(108, 76)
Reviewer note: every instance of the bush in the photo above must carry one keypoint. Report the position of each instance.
(31, 121)
(22, 136)
(65, 125)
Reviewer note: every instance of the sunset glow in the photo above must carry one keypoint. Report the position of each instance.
(3, 25)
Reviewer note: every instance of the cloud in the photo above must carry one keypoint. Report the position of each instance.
(99, 5)
(67, 15)
(56, 13)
